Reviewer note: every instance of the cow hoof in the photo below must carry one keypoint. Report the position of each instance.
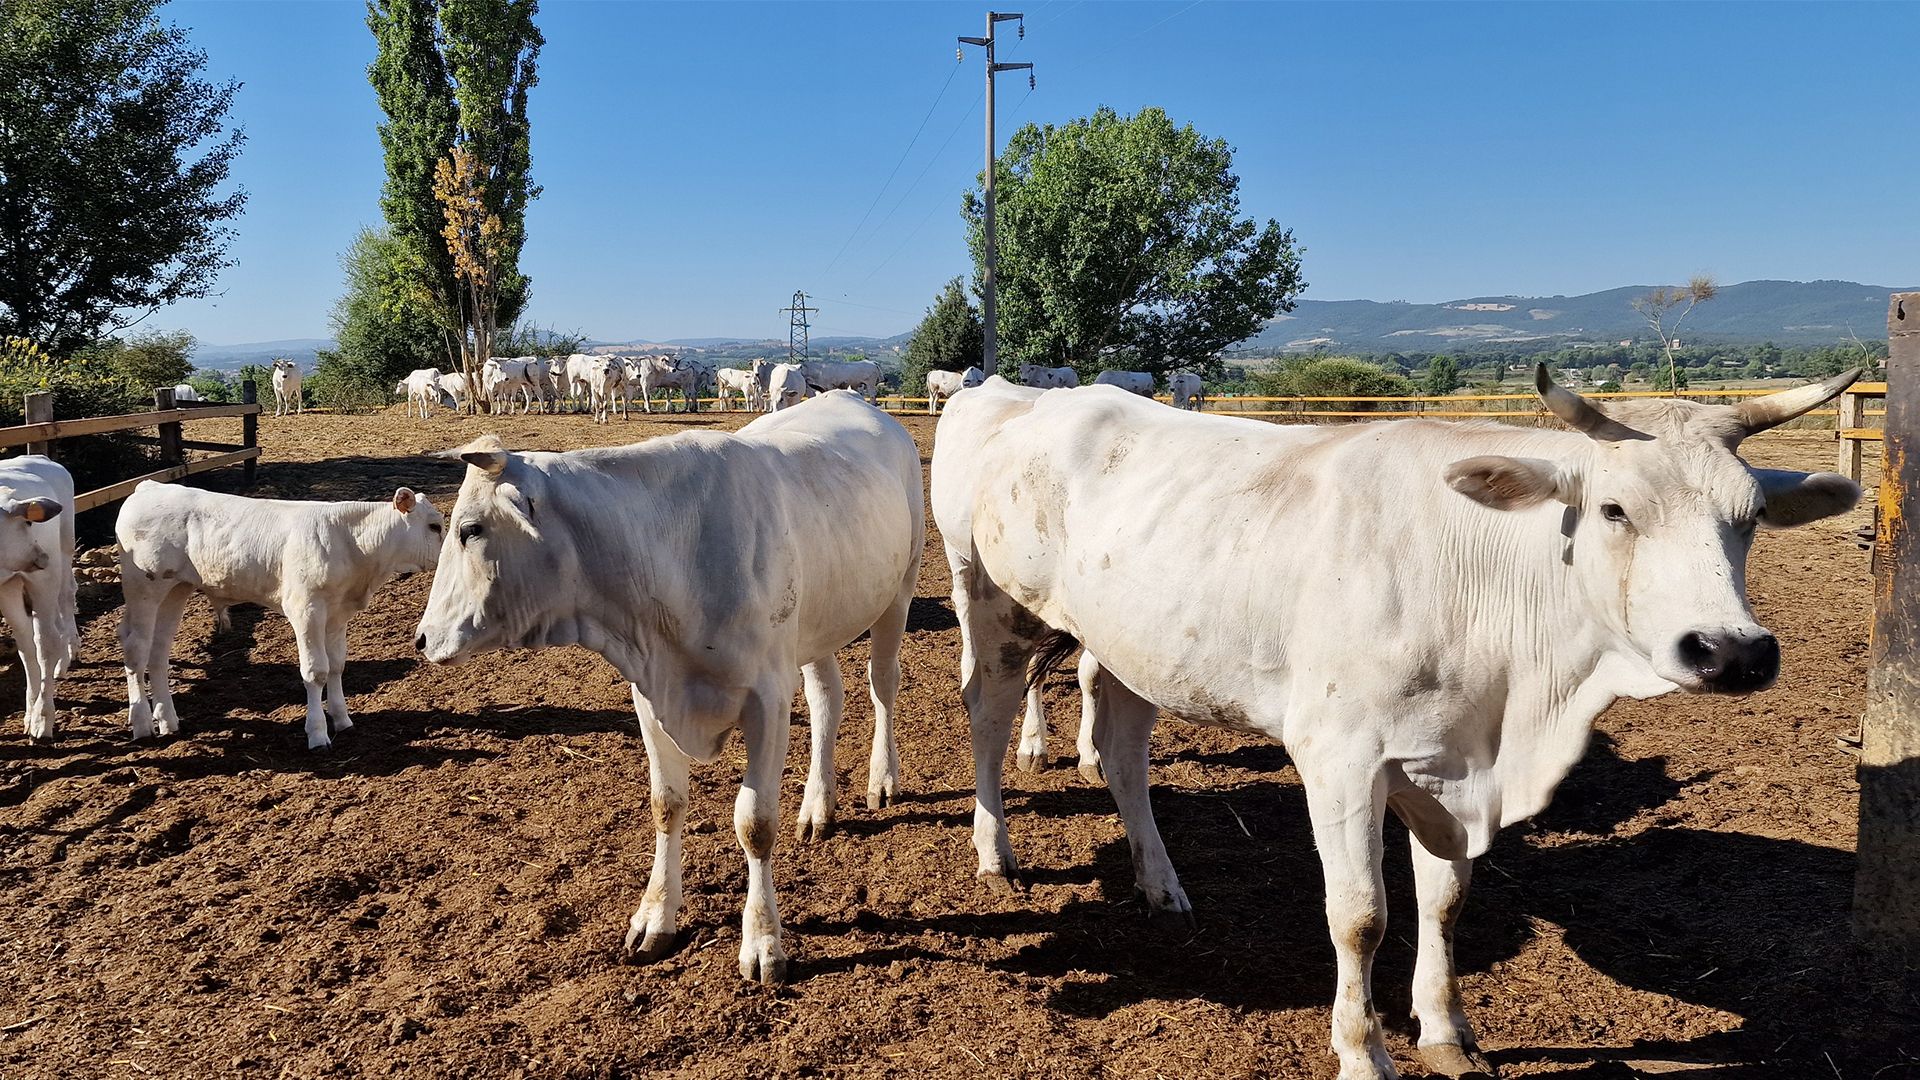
(1001, 884)
(1030, 761)
(654, 945)
(1455, 1062)
(880, 799)
(812, 829)
(766, 965)
(1172, 922)
(320, 747)
(343, 724)
(1090, 772)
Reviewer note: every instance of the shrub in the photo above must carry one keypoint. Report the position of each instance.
(89, 384)
(1330, 376)
(342, 386)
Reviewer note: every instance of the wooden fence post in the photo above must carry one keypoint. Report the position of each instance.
(1886, 898)
(171, 452)
(1849, 420)
(249, 427)
(39, 411)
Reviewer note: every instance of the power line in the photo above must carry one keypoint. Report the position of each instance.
(937, 99)
(908, 193)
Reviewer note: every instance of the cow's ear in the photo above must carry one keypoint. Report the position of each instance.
(404, 499)
(486, 453)
(1508, 483)
(1795, 498)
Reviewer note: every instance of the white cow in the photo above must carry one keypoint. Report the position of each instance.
(945, 384)
(505, 380)
(317, 563)
(551, 375)
(861, 375)
(37, 593)
(421, 387)
(1133, 382)
(1458, 604)
(454, 390)
(185, 392)
(786, 387)
(286, 387)
(579, 376)
(814, 539)
(762, 369)
(607, 387)
(739, 382)
(1046, 378)
(663, 374)
(1187, 390)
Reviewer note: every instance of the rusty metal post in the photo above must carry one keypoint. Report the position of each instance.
(1886, 898)
(171, 452)
(249, 428)
(39, 411)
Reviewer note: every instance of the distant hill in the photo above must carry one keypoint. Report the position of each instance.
(234, 357)
(1784, 312)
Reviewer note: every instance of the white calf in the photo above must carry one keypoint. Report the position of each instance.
(316, 563)
(1187, 390)
(607, 387)
(945, 384)
(36, 577)
(738, 381)
(420, 387)
(286, 387)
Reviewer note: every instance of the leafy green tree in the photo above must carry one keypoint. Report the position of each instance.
(455, 73)
(1122, 246)
(113, 155)
(1330, 376)
(382, 331)
(1670, 378)
(1442, 377)
(146, 360)
(948, 338)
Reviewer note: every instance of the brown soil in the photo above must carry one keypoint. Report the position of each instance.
(445, 894)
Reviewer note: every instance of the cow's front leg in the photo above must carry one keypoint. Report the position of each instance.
(1124, 724)
(1447, 1046)
(826, 700)
(1032, 755)
(336, 673)
(1347, 801)
(310, 635)
(13, 605)
(651, 931)
(756, 822)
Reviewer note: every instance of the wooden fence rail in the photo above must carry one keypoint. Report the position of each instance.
(167, 416)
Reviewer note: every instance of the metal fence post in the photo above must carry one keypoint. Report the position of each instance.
(171, 452)
(39, 410)
(1886, 899)
(249, 428)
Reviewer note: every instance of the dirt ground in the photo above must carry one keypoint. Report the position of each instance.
(445, 894)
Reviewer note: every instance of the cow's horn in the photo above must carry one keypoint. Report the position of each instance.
(1762, 413)
(1577, 412)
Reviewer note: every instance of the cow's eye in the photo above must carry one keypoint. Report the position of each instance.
(434, 528)
(1613, 513)
(468, 531)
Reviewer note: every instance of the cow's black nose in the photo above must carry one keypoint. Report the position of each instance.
(420, 642)
(1729, 662)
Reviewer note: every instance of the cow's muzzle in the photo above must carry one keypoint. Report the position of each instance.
(1730, 661)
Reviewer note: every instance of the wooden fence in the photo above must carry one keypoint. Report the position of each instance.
(41, 429)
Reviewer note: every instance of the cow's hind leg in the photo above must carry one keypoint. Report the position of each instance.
(1088, 675)
(310, 635)
(650, 933)
(13, 606)
(1347, 798)
(166, 624)
(143, 597)
(1125, 721)
(1032, 755)
(883, 685)
(999, 641)
(756, 822)
(826, 701)
(1447, 1046)
(336, 674)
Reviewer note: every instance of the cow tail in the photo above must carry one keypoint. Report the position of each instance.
(1055, 647)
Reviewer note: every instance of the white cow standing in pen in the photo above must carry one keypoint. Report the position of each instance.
(945, 384)
(317, 563)
(37, 592)
(763, 553)
(286, 387)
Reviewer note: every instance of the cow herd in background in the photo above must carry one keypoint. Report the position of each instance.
(1435, 642)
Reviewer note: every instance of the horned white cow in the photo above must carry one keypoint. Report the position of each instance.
(607, 387)
(421, 387)
(286, 387)
(803, 530)
(945, 384)
(1459, 603)
(1186, 389)
(762, 369)
(1133, 382)
(860, 375)
(738, 382)
(786, 387)
(663, 374)
(1046, 378)
(317, 563)
(505, 380)
(37, 593)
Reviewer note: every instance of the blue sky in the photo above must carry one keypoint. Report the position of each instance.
(702, 161)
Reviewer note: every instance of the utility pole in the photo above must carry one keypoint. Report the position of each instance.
(797, 326)
(989, 312)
